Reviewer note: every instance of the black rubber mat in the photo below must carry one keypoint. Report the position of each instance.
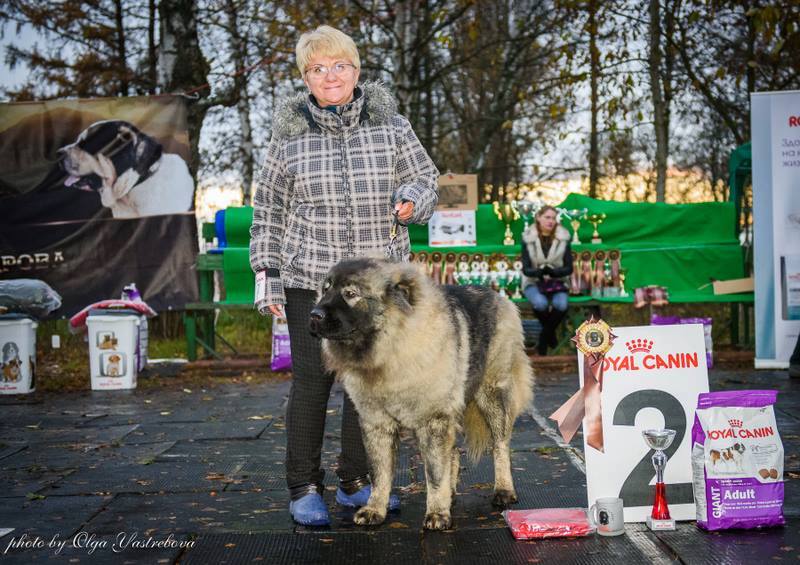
(149, 433)
(22, 482)
(498, 546)
(64, 456)
(156, 477)
(9, 449)
(82, 436)
(696, 547)
(395, 547)
(219, 449)
(195, 513)
(62, 515)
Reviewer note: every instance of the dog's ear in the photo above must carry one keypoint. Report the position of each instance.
(148, 151)
(403, 288)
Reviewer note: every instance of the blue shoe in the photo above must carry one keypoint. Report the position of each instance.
(360, 498)
(310, 510)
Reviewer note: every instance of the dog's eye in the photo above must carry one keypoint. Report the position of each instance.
(349, 294)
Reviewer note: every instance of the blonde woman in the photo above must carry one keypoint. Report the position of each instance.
(340, 161)
(547, 265)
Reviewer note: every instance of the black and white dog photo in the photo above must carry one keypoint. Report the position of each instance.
(128, 169)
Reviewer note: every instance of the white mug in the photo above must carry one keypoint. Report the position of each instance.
(608, 517)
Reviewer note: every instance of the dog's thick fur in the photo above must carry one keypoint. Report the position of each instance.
(128, 169)
(435, 360)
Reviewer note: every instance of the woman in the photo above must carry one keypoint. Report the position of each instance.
(546, 264)
(339, 163)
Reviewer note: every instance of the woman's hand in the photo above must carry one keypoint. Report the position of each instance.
(277, 311)
(404, 211)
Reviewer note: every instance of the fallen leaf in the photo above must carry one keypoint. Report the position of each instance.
(32, 496)
(230, 545)
(215, 477)
(326, 540)
(165, 413)
(397, 525)
(187, 390)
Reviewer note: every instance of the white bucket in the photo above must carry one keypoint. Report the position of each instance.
(113, 350)
(17, 355)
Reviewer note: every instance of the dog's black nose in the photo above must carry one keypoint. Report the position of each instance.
(315, 320)
(317, 314)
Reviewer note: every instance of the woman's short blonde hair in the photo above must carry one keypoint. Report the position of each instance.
(328, 42)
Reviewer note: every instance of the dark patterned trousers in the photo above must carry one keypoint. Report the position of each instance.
(308, 404)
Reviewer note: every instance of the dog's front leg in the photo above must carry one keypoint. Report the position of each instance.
(380, 442)
(436, 440)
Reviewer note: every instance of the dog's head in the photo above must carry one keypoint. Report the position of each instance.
(109, 157)
(358, 296)
(10, 351)
(114, 358)
(738, 448)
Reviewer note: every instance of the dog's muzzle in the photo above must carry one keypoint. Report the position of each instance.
(315, 321)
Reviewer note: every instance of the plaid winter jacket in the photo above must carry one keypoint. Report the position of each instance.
(328, 185)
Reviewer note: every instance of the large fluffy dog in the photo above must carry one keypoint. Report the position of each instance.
(435, 360)
(129, 170)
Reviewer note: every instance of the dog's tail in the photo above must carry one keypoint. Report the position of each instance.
(477, 435)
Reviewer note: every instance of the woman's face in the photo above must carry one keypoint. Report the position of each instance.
(331, 89)
(547, 222)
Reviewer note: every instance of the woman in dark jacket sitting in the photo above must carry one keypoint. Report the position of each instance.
(547, 265)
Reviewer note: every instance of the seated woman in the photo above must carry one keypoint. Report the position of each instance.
(547, 265)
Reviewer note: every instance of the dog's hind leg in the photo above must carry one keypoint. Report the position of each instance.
(494, 408)
(380, 442)
(437, 438)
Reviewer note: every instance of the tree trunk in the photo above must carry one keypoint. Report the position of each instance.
(659, 106)
(239, 55)
(182, 65)
(594, 74)
(152, 54)
(121, 52)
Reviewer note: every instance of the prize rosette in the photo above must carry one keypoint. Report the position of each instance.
(594, 339)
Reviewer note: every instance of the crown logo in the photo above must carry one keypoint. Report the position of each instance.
(734, 423)
(638, 344)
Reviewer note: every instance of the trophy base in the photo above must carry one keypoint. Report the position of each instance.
(508, 241)
(597, 240)
(660, 525)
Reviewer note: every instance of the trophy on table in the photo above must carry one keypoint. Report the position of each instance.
(596, 220)
(575, 216)
(506, 213)
(659, 440)
(526, 209)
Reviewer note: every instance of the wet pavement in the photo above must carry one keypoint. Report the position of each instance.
(196, 476)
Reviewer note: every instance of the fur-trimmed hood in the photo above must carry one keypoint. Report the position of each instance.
(299, 114)
(532, 233)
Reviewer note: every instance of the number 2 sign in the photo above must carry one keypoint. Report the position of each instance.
(651, 378)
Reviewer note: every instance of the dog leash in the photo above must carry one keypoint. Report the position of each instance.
(391, 248)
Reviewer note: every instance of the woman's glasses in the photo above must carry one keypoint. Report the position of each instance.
(319, 72)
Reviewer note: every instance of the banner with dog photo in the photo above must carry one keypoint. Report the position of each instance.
(96, 194)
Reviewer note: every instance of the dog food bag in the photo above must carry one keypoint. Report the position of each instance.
(737, 460)
(281, 358)
(543, 523)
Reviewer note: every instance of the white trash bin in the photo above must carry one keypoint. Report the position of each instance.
(17, 354)
(113, 349)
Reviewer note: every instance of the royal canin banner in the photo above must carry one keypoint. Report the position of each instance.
(652, 376)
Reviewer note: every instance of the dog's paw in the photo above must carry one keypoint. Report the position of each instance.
(503, 498)
(438, 521)
(367, 516)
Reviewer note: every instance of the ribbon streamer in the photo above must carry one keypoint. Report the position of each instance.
(594, 339)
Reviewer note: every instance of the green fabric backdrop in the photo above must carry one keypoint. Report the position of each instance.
(679, 246)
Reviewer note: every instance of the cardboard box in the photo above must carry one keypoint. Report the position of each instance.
(458, 192)
(733, 286)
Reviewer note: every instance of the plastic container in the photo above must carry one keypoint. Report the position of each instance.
(17, 354)
(114, 354)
